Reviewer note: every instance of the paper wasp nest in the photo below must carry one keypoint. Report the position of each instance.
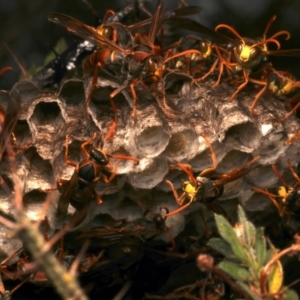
(156, 140)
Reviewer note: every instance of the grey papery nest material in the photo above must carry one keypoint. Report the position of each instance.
(155, 139)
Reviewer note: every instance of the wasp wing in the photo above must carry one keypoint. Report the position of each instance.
(193, 25)
(156, 22)
(177, 12)
(65, 197)
(287, 52)
(216, 208)
(84, 31)
(236, 173)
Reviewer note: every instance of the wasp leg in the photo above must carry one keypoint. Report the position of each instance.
(113, 173)
(172, 241)
(259, 94)
(211, 70)
(66, 159)
(275, 170)
(46, 231)
(223, 62)
(293, 171)
(178, 210)
(281, 210)
(134, 97)
(178, 199)
(59, 184)
(295, 108)
(111, 132)
(93, 84)
(125, 157)
(213, 157)
(186, 168)
(246, 78)
(293, 138)
(98, 197)
(88, 142)
(90, 260)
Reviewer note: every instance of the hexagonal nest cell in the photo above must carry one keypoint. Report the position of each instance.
(209, 129)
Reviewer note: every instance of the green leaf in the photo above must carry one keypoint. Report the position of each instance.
(248, 228)
(260, 247)
(236, 271)
(289, 295)
(60, 47)
(221, 246)
(228, 234)
(275, 278)
(246, 288)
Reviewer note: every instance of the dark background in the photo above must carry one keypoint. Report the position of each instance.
(26, 30)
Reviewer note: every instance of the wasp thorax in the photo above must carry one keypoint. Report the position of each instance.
(98, 156)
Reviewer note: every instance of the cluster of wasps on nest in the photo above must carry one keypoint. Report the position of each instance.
(143, 59)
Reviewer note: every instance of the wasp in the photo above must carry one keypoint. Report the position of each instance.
(143, 229)
(51, 75)
(241, 54)
(79, 190)
(283, 84)
(250, 55)
(141, 63)
(279, 84)
(204, 189)
(287, 199)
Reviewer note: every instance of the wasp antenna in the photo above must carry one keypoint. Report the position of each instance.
(270, 40)
(3, 70)
(269, 25)
(21, 67)
(231, 29)
(91, 8)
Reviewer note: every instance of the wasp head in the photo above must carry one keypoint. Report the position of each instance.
(191, 188)
(206, 48)
(247, 53)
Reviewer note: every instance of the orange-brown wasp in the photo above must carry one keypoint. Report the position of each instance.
(240, 55)
(141, 63)
(286, 202)
(79, 190)
(204, 189)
